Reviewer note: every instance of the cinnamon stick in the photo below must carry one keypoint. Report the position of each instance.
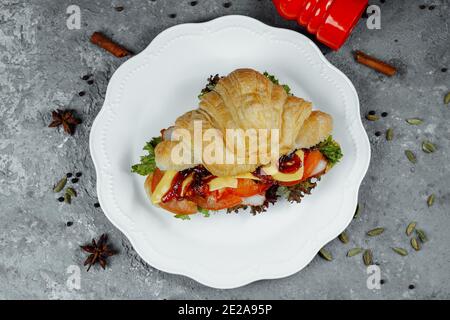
(375, 64)
(104, 42)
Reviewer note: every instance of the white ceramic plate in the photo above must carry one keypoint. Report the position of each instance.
(147, 94)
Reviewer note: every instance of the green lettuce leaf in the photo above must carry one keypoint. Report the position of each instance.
(331, 150)
(276, 81)
(147, 164)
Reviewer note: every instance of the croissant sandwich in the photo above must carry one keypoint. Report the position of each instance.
(249, 142)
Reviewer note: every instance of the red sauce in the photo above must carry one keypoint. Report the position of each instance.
(289, 163)
(177, 186)
(201, 176)
(264, 178)
(198, 186)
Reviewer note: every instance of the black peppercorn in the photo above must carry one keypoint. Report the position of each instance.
(97, 205)
(61, 199)
(69, 175)
(78, 174)
(74, 180)
(411, 287)
(384, 114)
(81, 93)
(372, 113)
(69, 223)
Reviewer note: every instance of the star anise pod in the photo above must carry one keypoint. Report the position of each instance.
(99, 252)
(66, 119)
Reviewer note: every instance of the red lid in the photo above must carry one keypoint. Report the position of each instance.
(343, 15)
(321, 13)
(331, 20)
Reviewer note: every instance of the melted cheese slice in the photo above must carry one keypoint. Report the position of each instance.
(286, 177)
(215, 184)
(163, 186)
(220, 183)
(229, 182)
(248, 176)
(226, 182)
(186, 183)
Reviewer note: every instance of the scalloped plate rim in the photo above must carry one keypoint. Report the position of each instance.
(155, 258)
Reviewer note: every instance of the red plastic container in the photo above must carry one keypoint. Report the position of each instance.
(331, 21)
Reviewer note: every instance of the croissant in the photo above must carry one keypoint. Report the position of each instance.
(259, 112)
(246, 99)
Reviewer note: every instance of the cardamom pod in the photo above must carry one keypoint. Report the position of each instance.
(422, 236)
(414, 121)
(430, 200)
(410, 228)
(390, 134)
(411, 156)
(400, 251)
(428, 147)
(372, 117)
(67, 198)
(368, 257)
(415, 244)
(343, 237)
(325, 254)
(447, 98)
(375, 232)
(71, 191)
(60, 185)
(354, 252)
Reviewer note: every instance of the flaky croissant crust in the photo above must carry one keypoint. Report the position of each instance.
(246, 99)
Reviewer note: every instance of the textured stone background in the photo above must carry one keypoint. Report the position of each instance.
(41, 65)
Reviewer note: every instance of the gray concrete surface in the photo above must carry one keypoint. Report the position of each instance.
(41, 63)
